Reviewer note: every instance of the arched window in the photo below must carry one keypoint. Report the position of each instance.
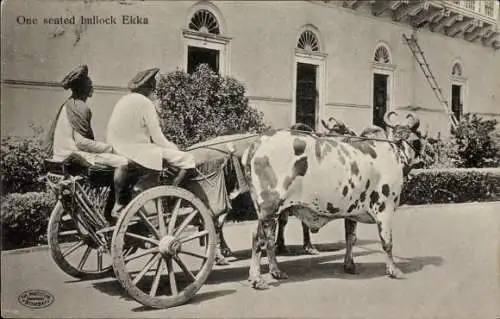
(382, 55)
(456, 70)
(308, 41)
(457, 89)
(205, 39)
(204, 21)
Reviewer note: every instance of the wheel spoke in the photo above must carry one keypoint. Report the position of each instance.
(173, 220)
(73, 248)
(68, 233)
(99, 261)
(146, 268)
(193, 254)
(156, 281)
(146, 239)
(161, 218)
(184, 268)
(171, 277)
(193, 236)
(142, 253)
(150, 226)
(185, 222)
(84, 258)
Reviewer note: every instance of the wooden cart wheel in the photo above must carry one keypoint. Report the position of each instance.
(169, 265)
(73, 250)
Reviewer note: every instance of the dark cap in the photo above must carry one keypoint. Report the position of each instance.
(74, 76)
(142, 78)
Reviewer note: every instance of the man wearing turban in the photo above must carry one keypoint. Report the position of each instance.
(71, 132)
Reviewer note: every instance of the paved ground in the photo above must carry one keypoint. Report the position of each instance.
(450, 253)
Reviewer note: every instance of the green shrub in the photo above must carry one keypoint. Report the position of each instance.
(24, 219)
(441, 154)
(21, 164)
(451, 186)
(199, 106)
(476, 140)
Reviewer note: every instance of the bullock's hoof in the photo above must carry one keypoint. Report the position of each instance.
(394, 272)
(226, 252)
(311, 250)
(221, 261)
(350, 269)
(279, 275)
(259, 284)
(282, 250)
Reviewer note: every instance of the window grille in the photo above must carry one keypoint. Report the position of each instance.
(308, 41)
(204, 21)
(488, 8)
(382, 55)
(457, 70)
(470, 4)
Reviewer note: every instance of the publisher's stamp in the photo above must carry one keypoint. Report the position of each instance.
(36, 299)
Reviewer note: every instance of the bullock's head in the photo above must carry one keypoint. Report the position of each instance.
(407, 137)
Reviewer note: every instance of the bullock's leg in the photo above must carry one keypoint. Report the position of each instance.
(225, 250)
(281, 248)
(219, 257)
(308, 246)
(269, 231)
(255, 277)
(384, 225)
(350, 240)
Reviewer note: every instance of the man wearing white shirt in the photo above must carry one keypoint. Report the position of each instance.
(134, 129)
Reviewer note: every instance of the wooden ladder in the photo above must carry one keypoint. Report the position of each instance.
(426, 69)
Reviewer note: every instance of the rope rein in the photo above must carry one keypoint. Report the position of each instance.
(208, 146)
(313, 134)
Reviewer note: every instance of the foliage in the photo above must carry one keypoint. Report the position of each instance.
(477, 140)
(441, 154)
(21, 164)
(199, 106)
(474, 143)
(24, 219)
(451, 186)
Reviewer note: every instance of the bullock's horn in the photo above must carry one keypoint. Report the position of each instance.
(387, 119)
(414, 121)
(332, 119)
(326, 125)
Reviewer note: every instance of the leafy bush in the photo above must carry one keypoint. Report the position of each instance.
(199, 106)
(21, 164)
(474, 143)
(441, 154)
(451, 186)
(477, 142)
(24, 219)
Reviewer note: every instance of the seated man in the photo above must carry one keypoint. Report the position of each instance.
(71, 132)
(134, 129)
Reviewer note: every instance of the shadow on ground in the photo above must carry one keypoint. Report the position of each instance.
(330, 266)
(198, 298)
(327, 265)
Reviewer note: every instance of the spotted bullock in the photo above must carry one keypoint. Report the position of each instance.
(334, 127)
(322, 179)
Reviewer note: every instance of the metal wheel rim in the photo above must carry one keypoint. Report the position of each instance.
(80, 249)
(159, 259)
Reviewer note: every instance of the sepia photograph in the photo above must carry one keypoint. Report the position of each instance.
(250, 159)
